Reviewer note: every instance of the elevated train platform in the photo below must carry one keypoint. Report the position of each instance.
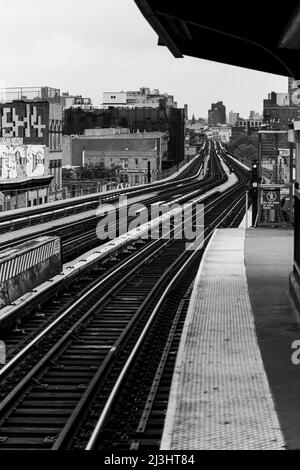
(235, 385)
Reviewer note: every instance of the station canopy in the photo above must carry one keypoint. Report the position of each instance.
(262, 35)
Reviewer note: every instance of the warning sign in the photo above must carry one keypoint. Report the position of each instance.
(270, 198)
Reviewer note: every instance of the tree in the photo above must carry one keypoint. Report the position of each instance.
(89, 172)
(67, 174)
(247, 151)
(245, 146)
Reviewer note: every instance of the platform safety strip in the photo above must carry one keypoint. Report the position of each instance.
(220, 396)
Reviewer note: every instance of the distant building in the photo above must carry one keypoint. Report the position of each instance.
(30, 146)
(220, 133)
(186, 112)
(131, 152)
(232, 118)
(217, 114)
(277, 113)
(76, 101)
(142, 98)
(196, 125)
(102, 132)
(246, 123)
(224, 134)
(254, 116)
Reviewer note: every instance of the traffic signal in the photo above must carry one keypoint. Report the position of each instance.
(254, 171)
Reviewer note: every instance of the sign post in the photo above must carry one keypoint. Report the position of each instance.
(270, 199)
(254, 197)
(275, 182)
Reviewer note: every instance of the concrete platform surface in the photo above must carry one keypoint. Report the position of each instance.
(234, 384)
(269, 260)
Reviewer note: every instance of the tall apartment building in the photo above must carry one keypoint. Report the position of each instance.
(232, 118)
(217, 114)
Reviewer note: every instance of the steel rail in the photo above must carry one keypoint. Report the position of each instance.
(6, 369)
(108, 405)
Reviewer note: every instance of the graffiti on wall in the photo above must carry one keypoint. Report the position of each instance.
(25, 120)
(21, 161)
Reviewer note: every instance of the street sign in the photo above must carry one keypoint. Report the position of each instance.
(270, 198)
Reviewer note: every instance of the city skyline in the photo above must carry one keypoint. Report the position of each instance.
(112, 47)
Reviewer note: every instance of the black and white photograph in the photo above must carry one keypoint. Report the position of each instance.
(149, 228)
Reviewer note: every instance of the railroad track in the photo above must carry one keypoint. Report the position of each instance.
(74, 244)
(79, 236)
(133, 416)
(25, 218)
(32, 319)
(78, 361)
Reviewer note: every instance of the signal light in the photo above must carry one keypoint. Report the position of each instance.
(254, 171)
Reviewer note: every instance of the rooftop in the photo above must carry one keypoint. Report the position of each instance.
(29, 94)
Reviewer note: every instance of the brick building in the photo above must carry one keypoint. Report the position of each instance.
(133, 154)
(161, 119)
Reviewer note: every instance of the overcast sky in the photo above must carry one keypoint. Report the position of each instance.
(87, 47)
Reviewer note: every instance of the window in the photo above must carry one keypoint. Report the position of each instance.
(137, 162)
(124, 162)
